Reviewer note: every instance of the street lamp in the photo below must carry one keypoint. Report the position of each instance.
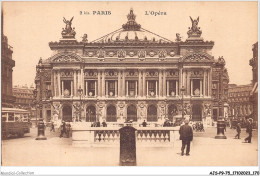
(182, 93)
(80, 92)
(35, 103)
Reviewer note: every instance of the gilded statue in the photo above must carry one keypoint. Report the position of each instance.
(194, 31)
(68, 32)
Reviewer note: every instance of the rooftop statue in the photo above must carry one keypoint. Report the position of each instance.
(68, 32)
(194, 31)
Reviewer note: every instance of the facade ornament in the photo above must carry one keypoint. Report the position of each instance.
(152, 53)
(141, 54)
(68, 32)
(78, 108)
(207, 109)
(66, 57)
(131, 24)
(194, 31)
(85, 38)
(178, 37)
(162, 54)
(221, 61)
(121, 54)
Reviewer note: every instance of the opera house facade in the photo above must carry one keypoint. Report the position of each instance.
(132, 74)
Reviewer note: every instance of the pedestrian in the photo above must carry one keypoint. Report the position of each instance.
(238, 131)
(98, 124)
(62, 129)
(104, 124)
(186, 135)
(249, 131)
(144, 123)
(52, 127)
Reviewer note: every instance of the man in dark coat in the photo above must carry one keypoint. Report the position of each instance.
(249, 131)
(144, 123)
(238, 131)
(186, 135)
(63, 129)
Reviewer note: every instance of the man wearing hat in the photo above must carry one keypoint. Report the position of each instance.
(186, 135)
(249, 130)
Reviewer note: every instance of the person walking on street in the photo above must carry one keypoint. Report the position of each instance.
(249, 131)
(238, 131)
(186, 135)
(63, 129)
(52, 127)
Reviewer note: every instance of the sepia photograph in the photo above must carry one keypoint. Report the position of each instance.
(129, 84)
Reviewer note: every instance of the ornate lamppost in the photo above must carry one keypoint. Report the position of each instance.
(35, 104)
(182, 98)
(221, 125)
(80, 92)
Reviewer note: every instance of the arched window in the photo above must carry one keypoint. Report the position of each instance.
(67, 113)
(91, 114)
(111, 113)
(131, 113)
(152, 113)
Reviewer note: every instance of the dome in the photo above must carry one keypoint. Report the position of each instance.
(131, 32)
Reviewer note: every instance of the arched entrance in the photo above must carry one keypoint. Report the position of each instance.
(196, 112)
(111, 113)
(152, 113)
(131, 113)
(67, 113)
(91, 114)
(172, 111)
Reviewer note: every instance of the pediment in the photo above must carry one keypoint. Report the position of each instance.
(198, 57)
(65, 58)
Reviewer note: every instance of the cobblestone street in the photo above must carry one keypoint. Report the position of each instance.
(205, 151)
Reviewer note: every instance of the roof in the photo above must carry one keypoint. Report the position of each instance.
(131, 32)
(13, 110)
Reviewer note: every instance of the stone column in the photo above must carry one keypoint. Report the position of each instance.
(71, 88)
(106, 93)
(168, 88)
(87, 88)
(62, 88)
(156, 88)
(177, 88)
(160, 83)
(54, 83)
(103, 84)
(119, 84)
(147, 88)
(135, 88)
(204, 82)
(126, 88)
(99, 89)
(95, 88)
(208, 85)
(210, 82)
(123, 84)
(59, 86)
(188, 83)
(200, 87)
(115, 88)
(74, 82)
(144, 84)
(82, 80)
(191, 87)
(164, 83)
(140, 83)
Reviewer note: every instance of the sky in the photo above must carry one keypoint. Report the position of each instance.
(30, 26)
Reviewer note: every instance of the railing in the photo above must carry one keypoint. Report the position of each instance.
(83, 135)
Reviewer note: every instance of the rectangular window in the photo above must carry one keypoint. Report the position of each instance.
(152, 88)
(196, 87)
(111, 88)
(91, 86)
(132, 89)
(11, 117)
(172, 88)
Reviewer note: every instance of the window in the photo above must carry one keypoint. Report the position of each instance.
(11, 117)
(132, 88)
(4, 117)
(196, 87)
(91, 88)
(111, 88)
(172, 88)
(66, 88)
(151, 90)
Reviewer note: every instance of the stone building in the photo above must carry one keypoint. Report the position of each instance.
(130, 74)
(24, 99)
(7, 64)
(254, 93)
(238, 100)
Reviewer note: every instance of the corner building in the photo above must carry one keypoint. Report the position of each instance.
(128, 74)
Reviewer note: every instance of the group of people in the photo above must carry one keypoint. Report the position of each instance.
(198, 126)
(97, 124)
(249, 130)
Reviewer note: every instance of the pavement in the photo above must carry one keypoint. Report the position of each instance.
(205, 151)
